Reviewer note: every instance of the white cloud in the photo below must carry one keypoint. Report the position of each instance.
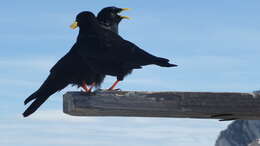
(42, 141)
(52, 127)
(58, 115)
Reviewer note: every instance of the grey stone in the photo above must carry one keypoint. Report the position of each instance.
(240, 133)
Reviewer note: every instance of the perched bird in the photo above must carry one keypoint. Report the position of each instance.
(72, 69)
(109, 19)
(107, 53)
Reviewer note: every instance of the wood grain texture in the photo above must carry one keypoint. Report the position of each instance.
(225, 106)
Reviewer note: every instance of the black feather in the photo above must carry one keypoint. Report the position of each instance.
(108, 53)
(70, 69)
(51, 85)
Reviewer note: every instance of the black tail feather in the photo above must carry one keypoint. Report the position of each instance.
(31, 97)
(34, 106)
(164, 62)
(51, 85)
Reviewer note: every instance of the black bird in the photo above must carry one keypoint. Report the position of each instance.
(109, 19)
(71, 69)
(107, 53)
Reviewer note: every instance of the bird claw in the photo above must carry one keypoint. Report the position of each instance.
(90, 93)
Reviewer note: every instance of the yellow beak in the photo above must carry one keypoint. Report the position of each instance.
(125, 17)
(74, 25)
(125, 9)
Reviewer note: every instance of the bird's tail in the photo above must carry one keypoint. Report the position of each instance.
(163, 62)
(32, 97)
(49, 87)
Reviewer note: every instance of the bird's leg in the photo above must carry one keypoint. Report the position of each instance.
(85, 86)
(113, 86)
(91, 87)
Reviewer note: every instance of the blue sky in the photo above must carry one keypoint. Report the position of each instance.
(215, 43)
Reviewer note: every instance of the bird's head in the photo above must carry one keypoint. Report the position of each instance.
(84, 18)
(110, 15)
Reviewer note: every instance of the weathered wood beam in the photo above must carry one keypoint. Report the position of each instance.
(225, 106)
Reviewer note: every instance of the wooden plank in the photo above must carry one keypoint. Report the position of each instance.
(225, 106)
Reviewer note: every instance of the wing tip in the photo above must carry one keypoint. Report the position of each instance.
(25, 114)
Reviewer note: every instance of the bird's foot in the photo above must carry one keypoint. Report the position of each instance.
(113, 86)
(85, 86)
(91, 87)
(86, 91)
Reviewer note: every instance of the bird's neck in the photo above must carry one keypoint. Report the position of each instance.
(90, 29)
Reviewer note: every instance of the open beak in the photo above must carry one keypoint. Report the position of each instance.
(124, 9)
(74, 25)
(125, 17)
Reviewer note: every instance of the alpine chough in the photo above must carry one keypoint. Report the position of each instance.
(71, 68)
(107, 53)
(109, 19)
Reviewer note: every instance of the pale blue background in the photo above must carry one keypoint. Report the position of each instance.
(215, 43)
